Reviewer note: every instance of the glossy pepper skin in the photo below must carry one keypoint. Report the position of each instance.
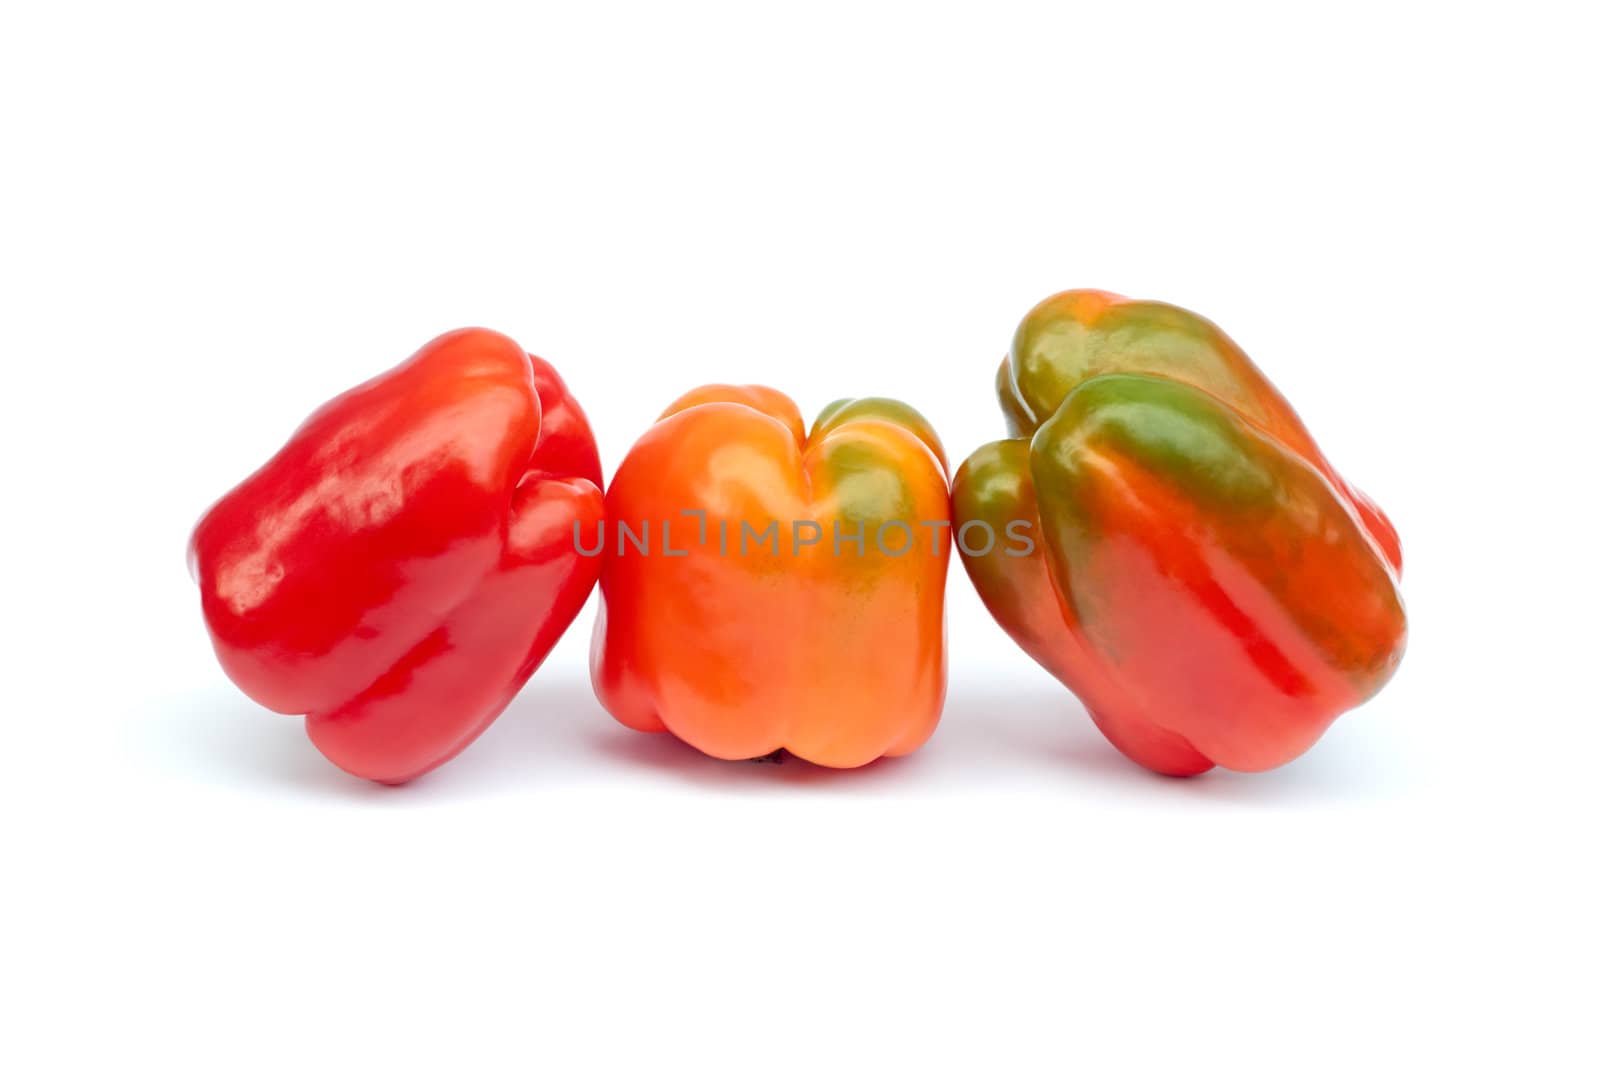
(1205, 582)
(403, 564)
(831, 651)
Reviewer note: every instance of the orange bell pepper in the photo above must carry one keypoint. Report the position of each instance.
(765, 589)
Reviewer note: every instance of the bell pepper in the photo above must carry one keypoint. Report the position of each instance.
(767, 589)
(402, 565)
(1205, 582)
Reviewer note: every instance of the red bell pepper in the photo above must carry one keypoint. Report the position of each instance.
(403, 564)
(1205, 581)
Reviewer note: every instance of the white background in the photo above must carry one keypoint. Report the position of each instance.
(212, 220)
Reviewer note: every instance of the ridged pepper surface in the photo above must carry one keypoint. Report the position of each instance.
(748, 624)
(1204, 580)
